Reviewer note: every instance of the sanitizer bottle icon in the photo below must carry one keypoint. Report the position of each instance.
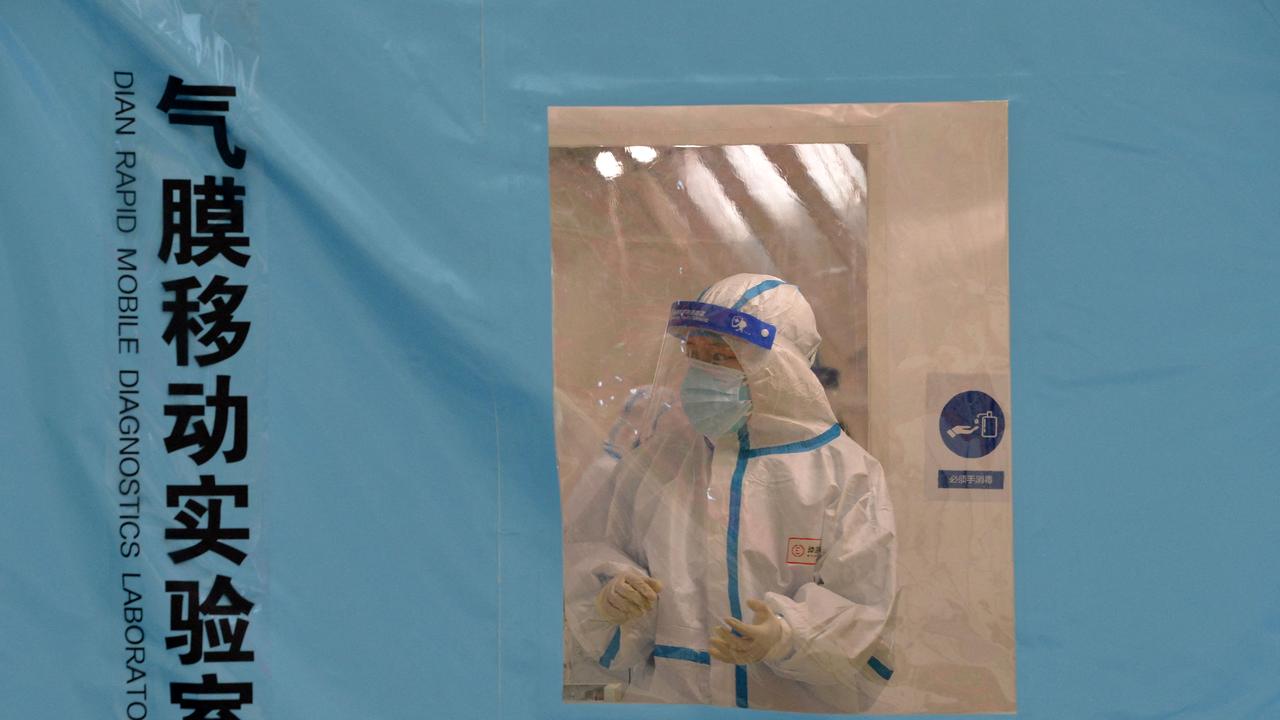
(989, 423)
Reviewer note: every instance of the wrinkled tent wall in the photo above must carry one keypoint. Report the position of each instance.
(411, 529)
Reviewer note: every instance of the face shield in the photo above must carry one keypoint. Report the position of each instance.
(704, 361)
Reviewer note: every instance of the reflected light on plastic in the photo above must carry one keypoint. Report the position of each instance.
(836, 171)
(608, 166)
(719, 210)
(765, 183)
(642, 153)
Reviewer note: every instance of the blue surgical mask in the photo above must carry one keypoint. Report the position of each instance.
(715, 398)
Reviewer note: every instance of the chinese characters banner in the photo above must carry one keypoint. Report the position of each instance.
(188, 282)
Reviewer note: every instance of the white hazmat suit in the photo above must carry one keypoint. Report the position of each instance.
(786, 509)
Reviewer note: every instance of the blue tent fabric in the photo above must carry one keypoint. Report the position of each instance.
(406, 552)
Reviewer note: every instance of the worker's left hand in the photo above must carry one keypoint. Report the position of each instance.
(752, 642)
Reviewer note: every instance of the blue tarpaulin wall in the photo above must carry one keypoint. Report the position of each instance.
(408, 526)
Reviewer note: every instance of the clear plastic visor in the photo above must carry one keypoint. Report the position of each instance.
(722, 343)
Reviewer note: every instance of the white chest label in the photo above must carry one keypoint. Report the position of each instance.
(803, 551)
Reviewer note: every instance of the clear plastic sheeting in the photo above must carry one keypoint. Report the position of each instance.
(801, 473)
(654, 226)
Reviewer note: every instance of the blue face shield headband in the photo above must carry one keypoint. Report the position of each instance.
(716, 399)
(723, 320)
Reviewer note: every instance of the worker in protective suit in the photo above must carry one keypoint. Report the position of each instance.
(749, 558)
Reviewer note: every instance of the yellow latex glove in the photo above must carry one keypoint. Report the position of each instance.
(753, 642)
(627, 597)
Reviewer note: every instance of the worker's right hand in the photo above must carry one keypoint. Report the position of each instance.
(627, 597)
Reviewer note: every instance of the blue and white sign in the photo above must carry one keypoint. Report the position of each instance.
(971, 479)
(971, 424)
